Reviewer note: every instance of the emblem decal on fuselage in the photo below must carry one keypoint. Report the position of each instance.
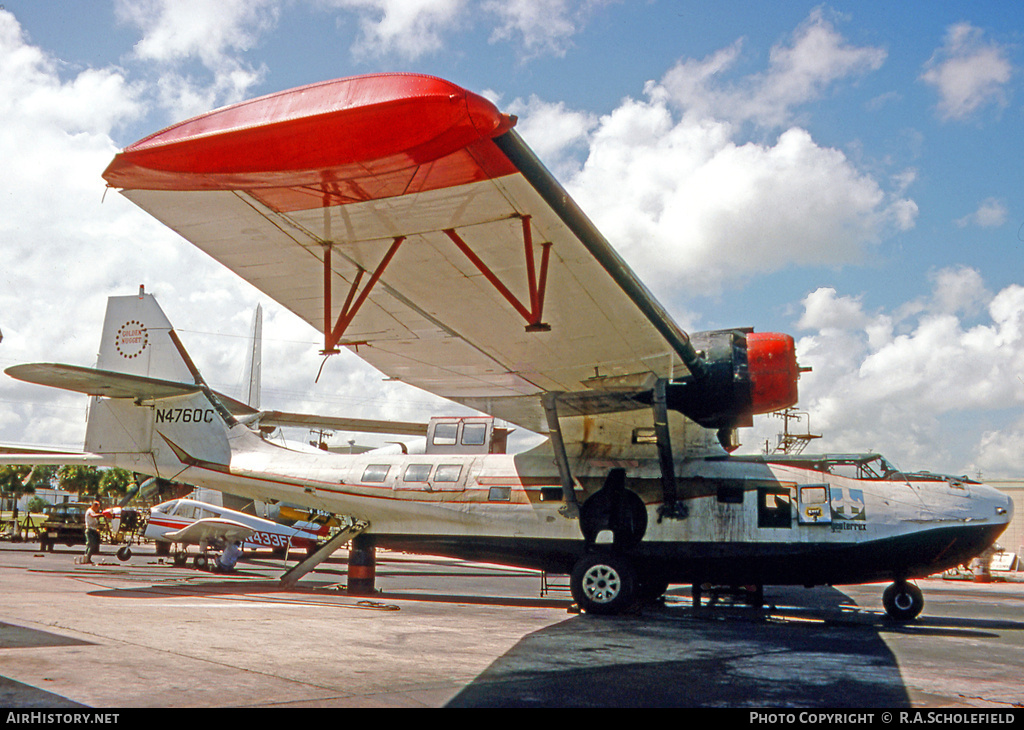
(848, 511)
(131, 339)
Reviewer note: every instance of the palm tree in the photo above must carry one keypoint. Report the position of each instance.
(16, 481)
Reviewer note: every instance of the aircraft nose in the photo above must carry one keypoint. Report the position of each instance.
(1006, 509)
(998, 503)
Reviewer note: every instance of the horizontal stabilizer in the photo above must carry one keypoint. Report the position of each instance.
(111, 384)
(20, 454)
(104, 383)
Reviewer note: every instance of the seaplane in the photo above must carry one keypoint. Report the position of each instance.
(405, 218)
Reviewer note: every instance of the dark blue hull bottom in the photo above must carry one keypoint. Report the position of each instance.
(780, 563)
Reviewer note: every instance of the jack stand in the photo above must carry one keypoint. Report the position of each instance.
(325, 551)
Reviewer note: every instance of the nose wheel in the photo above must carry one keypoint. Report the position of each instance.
(903, 601)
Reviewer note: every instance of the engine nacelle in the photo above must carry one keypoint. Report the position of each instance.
(746, 373)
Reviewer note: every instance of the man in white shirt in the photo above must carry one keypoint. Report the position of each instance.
(93, 515)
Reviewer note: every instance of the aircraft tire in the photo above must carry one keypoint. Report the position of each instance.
(200, 562)
(903, 601)
(603, 584)
(124, 553)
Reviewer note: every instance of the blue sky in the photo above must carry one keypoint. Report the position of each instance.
(849, 173)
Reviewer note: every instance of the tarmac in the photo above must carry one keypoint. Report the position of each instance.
(447, 633)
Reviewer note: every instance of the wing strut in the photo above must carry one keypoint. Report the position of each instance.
(534, 314)
(333, 335)
(571, 509)
(670, 507)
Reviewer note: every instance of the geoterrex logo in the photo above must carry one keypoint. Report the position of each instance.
(132, 339)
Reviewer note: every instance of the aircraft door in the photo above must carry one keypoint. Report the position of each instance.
(814, 504)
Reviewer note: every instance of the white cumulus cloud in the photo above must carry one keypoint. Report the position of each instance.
(816, 58)
(901, 381)
(671, 181)
(180, 35)
(991, 213)
(968, 72)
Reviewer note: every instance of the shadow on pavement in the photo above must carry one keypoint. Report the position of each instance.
(810, 649)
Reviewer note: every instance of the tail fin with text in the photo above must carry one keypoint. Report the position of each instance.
(165, 410)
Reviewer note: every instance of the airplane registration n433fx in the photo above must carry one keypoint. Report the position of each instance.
(182, 522)
(404, 218)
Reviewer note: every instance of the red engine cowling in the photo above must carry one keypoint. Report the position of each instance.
(771, 362)
(741, 374)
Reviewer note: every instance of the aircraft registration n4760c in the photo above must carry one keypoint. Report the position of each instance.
(404, 218)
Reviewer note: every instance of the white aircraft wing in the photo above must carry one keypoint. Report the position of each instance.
(404, 218)
(211, 530)
(337, 423)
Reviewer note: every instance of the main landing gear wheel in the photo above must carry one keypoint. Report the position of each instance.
(903, 601)
(124, 553)
(603, 584)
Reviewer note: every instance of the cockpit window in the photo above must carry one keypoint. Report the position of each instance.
(854, 466)
(446, 434)
(474, 434)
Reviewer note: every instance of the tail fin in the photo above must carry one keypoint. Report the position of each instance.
(172, 430)
(138, 339)
(254, 361)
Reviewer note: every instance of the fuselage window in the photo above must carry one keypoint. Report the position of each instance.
(550, 494)
(474, 434)
(499, 494)
(376, 473)
(417, 473)
(448, 473)
(446, 434)
(774, 507)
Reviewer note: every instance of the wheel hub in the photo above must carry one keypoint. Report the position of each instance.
(602, 584)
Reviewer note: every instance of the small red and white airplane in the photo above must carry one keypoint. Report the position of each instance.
(182, 522)
(405, 218)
